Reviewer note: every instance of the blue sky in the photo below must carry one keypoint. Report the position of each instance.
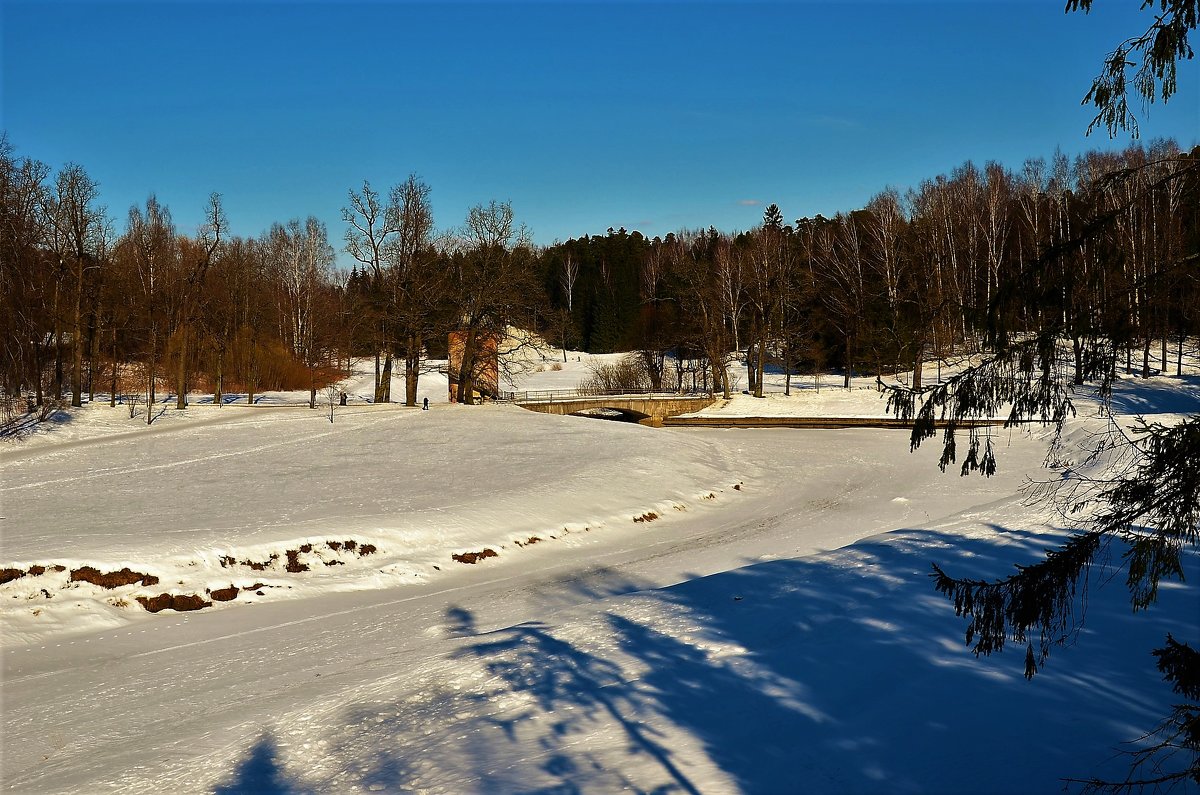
(583, 115)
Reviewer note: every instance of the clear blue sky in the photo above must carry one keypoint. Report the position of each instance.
(583, 115)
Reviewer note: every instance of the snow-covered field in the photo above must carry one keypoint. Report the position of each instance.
(767, 626)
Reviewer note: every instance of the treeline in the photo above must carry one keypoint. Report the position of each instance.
(1102, 246)
(89, 307)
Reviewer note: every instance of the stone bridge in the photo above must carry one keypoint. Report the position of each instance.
(648, 409)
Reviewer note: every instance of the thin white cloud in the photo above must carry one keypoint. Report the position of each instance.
(749, 202)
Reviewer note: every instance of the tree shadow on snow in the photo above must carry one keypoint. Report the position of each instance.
(834, 673)
(259, 773)
(1165, 395)
(581, 691)
(855, 668)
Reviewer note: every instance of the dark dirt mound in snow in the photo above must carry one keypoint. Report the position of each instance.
(113, 579)
(166, 601)
(649, 516)
(225, 594)
(475, 557)
(294, 565)
(8, 575)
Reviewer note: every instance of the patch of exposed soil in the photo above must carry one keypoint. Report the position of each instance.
(475, 557)
(112, 579)
(366, 549)
(8, 575)
(179, 602)
(648, 516)
(293, 562)
(225, 594)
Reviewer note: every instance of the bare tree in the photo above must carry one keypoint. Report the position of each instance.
(150, 238)
(23, 271)
(415, 282)
(373, 226)
(492, 288)
(567, 277)
(210, 240)
(76, 233)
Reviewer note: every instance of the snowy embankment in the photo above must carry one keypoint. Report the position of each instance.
(279, 502)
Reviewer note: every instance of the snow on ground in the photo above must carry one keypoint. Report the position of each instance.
(198, 506)
(780, 636)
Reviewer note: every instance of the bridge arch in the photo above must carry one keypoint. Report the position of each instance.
(618, 414)
(647, 409)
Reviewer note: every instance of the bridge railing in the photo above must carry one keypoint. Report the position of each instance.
(555, 395)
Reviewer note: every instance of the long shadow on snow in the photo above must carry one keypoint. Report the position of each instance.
(259, 773)
(835, 673)
(1173, 395)
(855, 667)
(26, 424)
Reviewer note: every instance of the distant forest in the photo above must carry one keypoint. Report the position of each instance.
(1102, 246)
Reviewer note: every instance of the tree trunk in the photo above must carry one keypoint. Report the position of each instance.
(378, 380)
(1179, 352)
(1146, 358)
(750, 371)
(387, 377)
(112, 393)
(849, 367)
(918, 365)
(181, 376)
(150, 372)
(94, 334)
(58, 362)
(787, 370)
(77, 343)
(760, 364)
(1077, 348)
(466, 371)
(312, 397)
(40, 396)
(219, 390)
(412, 370)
